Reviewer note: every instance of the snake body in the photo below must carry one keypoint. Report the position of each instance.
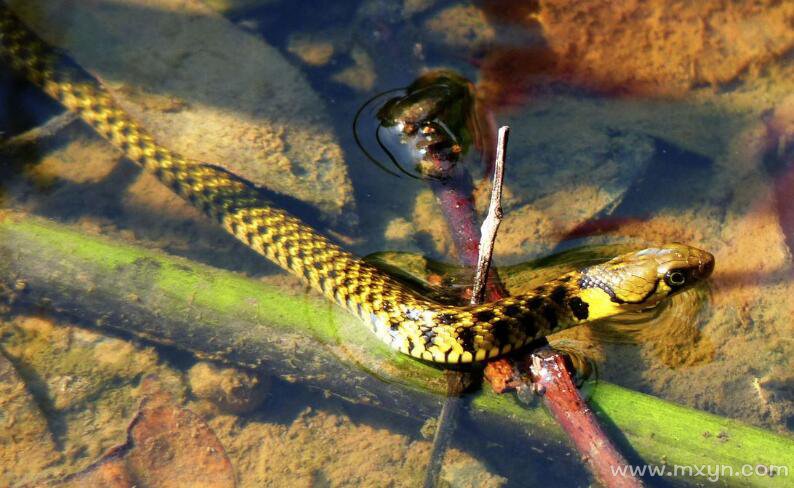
(397, 315)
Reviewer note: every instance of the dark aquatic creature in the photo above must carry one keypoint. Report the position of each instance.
(437, 119)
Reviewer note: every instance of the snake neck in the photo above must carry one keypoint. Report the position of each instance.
(475, 333)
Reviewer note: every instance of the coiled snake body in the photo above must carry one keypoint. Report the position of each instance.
(397, 315)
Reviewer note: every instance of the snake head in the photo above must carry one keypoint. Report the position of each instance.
(641, 279)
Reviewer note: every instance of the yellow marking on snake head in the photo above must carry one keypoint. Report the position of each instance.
(599, 303)
(641, 279)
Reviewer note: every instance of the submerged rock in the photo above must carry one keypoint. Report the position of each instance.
(86, 383)
(361, 75)
(206, 89)
(230, 389)
(461, 27)
(166, 446)
(314, 52)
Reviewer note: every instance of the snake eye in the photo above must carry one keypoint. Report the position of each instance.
(675, 278)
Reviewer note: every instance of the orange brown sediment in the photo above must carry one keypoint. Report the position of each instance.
(510, 73)
(600, 226)
(499, 374)
(665, 227)
(780, 148)
(657, 47)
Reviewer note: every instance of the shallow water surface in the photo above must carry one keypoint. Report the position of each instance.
(632, 125)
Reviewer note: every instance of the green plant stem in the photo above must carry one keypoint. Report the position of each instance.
(298, 336)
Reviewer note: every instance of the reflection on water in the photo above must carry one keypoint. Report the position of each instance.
(631, 125)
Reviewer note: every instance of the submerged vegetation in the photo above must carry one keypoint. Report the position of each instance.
(633, 124)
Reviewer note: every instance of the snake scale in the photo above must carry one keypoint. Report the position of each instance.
(397, 315)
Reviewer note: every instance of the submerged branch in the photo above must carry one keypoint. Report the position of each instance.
(298, 336)
(551, 378)
(453, 404)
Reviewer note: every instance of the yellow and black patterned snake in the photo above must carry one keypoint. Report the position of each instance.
(397, 315)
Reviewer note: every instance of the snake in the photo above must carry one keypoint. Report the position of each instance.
(398, 315)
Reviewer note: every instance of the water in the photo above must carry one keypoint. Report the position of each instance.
(630, 126)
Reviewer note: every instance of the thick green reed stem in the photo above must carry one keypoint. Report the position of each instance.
(299, 337)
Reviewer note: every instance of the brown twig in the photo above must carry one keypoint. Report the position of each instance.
(484, 248)
(546, 372)
(552, 380)
(491, 223)
(455, 198)
(550, 372)
(553, 377)
(779, 148)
